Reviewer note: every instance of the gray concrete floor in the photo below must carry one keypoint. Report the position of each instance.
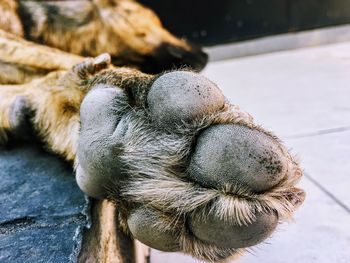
(304, 97)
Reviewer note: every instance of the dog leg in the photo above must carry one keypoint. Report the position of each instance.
(21, 61)
(54, 102)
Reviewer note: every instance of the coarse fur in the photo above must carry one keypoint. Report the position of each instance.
(56, 99)
(130, 32)
(22, 61)
(158, 182)
(155, 160)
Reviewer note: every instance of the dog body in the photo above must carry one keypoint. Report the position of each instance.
(131, 33)
(187, 171)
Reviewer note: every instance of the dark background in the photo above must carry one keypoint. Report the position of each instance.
(210, 22)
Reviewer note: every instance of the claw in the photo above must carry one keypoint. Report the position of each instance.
(90, 66)
(102, 61)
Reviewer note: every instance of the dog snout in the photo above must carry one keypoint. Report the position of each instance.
(171, 57)
(194, 58)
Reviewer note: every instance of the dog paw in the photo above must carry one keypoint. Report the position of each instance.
(91, 66)
(16, 121)
(19, 116)
(81, 72)
(189, 172)
(3, 137)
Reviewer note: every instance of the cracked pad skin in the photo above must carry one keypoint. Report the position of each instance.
(191, 172)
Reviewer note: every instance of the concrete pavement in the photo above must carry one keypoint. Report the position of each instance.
(303, 96)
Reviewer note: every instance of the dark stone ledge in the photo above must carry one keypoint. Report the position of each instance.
(42, 210)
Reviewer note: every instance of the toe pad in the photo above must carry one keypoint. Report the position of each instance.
(215, 231)
(183, 96)
(231, 154)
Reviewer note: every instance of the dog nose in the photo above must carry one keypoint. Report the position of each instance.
(195, 58)
(171, 57)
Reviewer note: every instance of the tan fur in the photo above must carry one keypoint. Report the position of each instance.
(103, 242)
(98, 20)
(21, 52)
(123, 28)
(155, 183)
(55, 101)
(22, 61)
(9, 20)
(56, 97)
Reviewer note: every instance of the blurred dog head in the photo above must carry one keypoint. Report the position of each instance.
(130, 32)
(142, 40)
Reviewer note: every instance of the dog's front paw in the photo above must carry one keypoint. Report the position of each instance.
(80, 73)
(15, 120)
(190, 172)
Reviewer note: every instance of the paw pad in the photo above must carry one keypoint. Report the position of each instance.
(247, 157)
(190, 172)
(215, 231)
(176, 97)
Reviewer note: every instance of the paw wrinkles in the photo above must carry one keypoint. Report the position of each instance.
(197, 175)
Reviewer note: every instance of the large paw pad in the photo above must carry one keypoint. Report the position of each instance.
(190, 172)
(181, 97)
(246, 157)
